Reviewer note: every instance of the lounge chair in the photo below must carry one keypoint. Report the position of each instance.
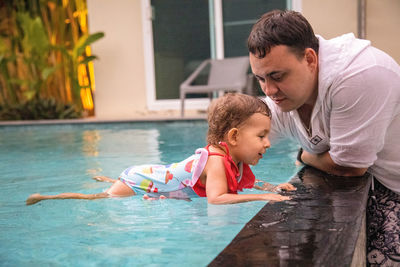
(229, 74)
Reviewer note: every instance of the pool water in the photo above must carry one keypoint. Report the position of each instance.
(119, 231)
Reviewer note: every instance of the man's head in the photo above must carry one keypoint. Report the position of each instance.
(279, 27)
(284, 58)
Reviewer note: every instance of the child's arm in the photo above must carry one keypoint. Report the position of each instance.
(273, 188)
(217, 187)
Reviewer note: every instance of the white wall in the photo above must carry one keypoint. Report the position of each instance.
(331, 18)
(119, 71)
(383, 26)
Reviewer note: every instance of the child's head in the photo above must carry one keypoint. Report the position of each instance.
(231, 111)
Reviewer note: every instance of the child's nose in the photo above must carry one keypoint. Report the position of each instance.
(267, 144)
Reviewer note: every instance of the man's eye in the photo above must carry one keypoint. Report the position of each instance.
(277, 77)
(259, 79)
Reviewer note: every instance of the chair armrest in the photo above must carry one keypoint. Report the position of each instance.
(211, 88)
(194, 75)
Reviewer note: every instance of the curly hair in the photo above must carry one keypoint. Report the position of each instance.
(281, 27)
(230, 111)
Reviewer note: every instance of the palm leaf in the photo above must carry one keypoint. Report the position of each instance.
(85, 41)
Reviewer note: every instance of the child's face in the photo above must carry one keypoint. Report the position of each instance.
(252, 139)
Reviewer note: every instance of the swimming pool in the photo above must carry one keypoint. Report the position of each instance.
(120, 231)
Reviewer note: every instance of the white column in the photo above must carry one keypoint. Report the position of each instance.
(219, 29)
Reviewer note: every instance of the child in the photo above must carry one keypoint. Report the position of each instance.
(237, 136)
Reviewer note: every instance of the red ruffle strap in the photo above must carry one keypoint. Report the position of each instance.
(232, 173)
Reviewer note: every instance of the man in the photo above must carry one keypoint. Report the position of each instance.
(340, 99)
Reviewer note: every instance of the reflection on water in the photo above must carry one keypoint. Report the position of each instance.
(218, 214)
(179, 141)
(139, 145)
(90, 140)
(124, 148)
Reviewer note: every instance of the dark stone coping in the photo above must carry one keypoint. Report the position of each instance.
(321, 225)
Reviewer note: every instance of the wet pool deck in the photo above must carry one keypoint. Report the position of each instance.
(323, 225)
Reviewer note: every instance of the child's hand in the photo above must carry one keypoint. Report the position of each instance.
(285, 187)
(273, 188)
(276, 197)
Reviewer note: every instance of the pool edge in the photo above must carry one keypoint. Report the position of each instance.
(98, 121)
(324, 225)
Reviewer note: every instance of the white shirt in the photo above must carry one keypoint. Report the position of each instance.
(357, 113)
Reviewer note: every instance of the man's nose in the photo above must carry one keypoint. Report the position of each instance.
(269, 88)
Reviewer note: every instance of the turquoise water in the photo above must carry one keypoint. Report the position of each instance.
(119, 231)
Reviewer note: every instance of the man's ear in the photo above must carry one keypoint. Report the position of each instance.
(233, 135)
(311, 58)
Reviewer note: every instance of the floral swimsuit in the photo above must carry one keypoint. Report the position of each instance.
(181, 180)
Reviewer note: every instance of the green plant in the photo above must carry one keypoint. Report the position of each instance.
(42, 45)
(74, 58)
(39, 109)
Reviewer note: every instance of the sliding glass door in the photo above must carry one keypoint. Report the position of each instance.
(183, 34)
(181, 40)
(238, 18)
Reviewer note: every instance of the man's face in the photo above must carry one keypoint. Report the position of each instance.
(290, 81)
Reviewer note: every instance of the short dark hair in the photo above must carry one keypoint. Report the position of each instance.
(230, 111)
(282, 27)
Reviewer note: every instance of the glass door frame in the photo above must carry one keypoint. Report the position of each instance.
(216, 45)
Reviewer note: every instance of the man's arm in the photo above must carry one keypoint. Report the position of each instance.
(325, 163)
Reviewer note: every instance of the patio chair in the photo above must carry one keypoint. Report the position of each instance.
(229, 74)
